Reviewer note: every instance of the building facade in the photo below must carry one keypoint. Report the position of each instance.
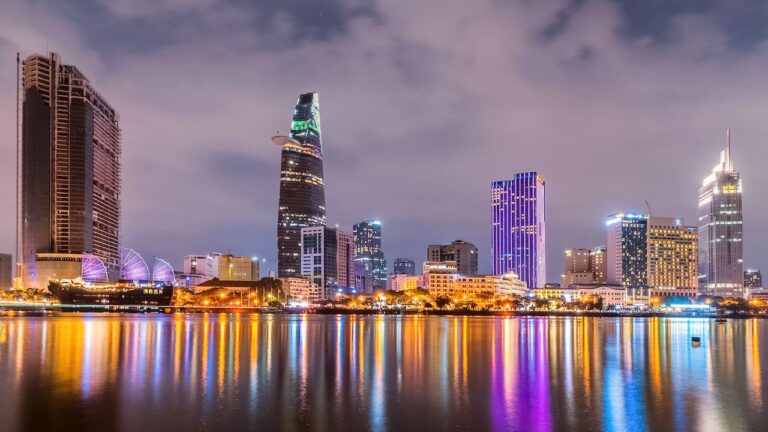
(327, 260)
(223, 266)
(585, 266)
(721, 260)
(404, 266)
(6, 271)
(672, 253)
(404, 282)
(753, 279)
(518, 214)
(302, 190)
(651, 253)
(464, 254)
(462, 287)
(70, 171)
(301, 289)
(627, 256)
(368, 252)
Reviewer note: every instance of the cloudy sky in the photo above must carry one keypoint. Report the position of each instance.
(424, 103)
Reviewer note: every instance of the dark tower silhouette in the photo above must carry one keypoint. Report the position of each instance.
(302, 193)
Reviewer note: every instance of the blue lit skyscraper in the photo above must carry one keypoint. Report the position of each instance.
(368, 253)
(518, 228)
(628, 250)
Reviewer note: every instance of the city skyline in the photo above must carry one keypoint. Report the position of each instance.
(247, 159)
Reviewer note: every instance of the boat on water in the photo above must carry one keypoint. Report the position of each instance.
(124, 293)
(721, 320)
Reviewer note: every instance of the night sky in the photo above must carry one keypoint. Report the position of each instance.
(423, 104)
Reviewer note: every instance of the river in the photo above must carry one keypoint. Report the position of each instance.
(226, 372)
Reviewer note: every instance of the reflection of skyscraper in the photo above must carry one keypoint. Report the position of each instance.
(721, 267)
(302, 194)
(368, 251)
(70, 172)
(518, 231)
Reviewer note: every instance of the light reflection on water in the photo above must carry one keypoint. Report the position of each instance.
(302, 372)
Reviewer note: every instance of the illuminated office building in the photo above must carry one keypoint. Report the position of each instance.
(628, 250)
(518, 228)
(368, 253)
(327, 260)
(302, 193)
(404, 266)
(226, 267)
(672, 253)
(753, 279)
(651, 253)
(721, 264)
(464, 254)
(70, 174)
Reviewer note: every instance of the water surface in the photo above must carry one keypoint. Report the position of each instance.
(102, 372)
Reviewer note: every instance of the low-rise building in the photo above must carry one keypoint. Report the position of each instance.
(454, 285)
(232, 286)
(612, 295)
(301, 289)
(403, 282)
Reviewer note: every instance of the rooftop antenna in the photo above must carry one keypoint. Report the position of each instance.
(648, 206)
(728, 149)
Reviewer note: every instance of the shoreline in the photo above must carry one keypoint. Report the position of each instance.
(52, 310)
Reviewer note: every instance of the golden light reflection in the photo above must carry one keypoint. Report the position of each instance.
(525, 373)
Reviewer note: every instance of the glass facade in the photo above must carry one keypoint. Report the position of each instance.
(404, 266)
(302, 191)
(70, 168)
(368, 253)
(753, 279)
(721, 265)
(518, 219)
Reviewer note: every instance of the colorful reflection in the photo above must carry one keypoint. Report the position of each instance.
(312, 372)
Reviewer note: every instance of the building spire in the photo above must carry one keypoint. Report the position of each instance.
(728, 160)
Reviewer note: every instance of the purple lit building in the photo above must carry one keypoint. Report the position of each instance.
(518, 226)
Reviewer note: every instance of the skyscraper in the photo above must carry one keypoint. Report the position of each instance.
(721, 265)
(518, 214)
(464, 254)
(327, 260)
(368, 251)
(672, 254)
(656, 253)
(302, 192)
(628, 250)
(404, 266)
(70, 173)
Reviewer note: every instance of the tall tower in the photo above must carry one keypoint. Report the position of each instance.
(70, 173)
(368, 253)
(627, 259)
(518, 228)
(721, 263)
(302, 190)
